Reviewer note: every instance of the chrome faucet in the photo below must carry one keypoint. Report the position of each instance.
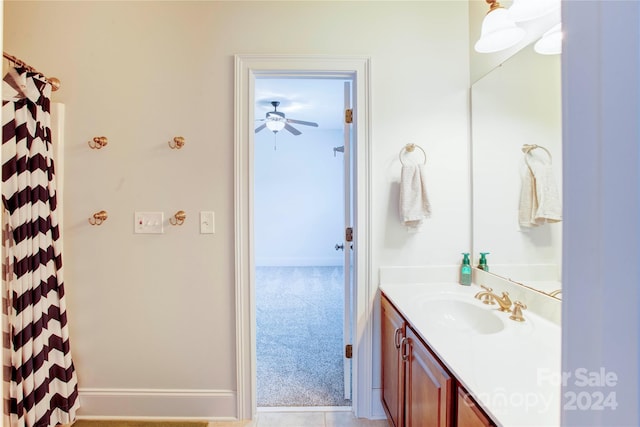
(488, 297)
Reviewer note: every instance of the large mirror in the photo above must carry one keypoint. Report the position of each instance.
(514, 108)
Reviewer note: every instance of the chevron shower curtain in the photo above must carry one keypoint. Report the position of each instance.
(40, 378)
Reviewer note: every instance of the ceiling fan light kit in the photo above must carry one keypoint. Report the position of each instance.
(276, 120)
(275, 125)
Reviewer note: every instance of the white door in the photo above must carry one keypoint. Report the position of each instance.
(347, 244)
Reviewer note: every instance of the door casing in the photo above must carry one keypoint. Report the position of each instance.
(247, 67)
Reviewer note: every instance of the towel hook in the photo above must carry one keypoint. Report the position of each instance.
(98, 218)
(98, 142)
(178, 142)
(410, 148)
(178, 218)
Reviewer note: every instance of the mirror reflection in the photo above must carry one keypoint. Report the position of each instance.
(517, 170)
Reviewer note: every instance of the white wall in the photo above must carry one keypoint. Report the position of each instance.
(299, 202)
(151, 317)
(600, 319)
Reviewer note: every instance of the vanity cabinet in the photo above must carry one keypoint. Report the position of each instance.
(417, 390)
(429, 388)
(393, 329)
(469, 415)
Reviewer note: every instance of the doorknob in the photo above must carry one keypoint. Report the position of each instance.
(338, 247)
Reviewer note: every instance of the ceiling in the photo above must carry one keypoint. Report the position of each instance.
(303, 98)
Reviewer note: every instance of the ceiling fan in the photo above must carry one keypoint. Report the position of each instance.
(275, 121)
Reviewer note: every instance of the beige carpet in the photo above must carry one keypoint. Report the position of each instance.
(299, 348)
(96, 423)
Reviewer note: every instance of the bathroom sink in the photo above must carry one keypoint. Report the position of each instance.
(461, 315)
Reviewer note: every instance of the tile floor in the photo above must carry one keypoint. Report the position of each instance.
(304, 419)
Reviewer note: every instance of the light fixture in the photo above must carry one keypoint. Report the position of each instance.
(275, 126)
(499, 32)
(526, 10)
(551, 41)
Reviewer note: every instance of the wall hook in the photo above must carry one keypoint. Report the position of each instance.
(178, 218)
(178, 142)
(98, 142)
(98, 218)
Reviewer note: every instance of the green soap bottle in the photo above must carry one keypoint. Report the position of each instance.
(465, 270)
(482, 264)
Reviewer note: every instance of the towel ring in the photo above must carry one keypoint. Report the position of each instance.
(527, 148)
(409, 148)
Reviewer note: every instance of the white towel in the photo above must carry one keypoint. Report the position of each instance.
(414, 204)
(539, 197)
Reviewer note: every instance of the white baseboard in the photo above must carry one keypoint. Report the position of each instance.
(212, 405)
(377, 411)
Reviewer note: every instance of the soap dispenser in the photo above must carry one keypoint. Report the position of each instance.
(482, 264)
(465, 270)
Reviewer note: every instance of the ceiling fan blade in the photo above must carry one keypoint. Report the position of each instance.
(262, 126)
(302, 122)
(292, 129)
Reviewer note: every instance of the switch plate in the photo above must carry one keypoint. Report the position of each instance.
(149, 223)
(207, 222)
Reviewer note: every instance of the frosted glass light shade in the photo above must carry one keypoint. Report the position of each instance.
(499, 32)
(551, 42)
(275, 125)
(526, 10)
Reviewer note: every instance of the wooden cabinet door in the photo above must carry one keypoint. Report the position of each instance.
(469, 415)
(429, 388)
(392, 333)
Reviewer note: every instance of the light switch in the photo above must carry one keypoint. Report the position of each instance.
(207, 222)
(149, 223)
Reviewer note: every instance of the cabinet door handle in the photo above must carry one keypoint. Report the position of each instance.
(403, 344)
(396, 338)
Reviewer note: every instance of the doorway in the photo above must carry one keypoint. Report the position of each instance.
(250, 68)
(301, 209)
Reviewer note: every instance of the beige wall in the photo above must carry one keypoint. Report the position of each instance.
(152, 316)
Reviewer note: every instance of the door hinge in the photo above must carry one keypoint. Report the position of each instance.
(348, 115)
(348, 351)
(348, 234)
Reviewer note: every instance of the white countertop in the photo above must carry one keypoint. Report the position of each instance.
(513, 374)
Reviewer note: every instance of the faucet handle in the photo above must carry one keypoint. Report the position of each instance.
(486, 295)
(487, 298)
(517, 311)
